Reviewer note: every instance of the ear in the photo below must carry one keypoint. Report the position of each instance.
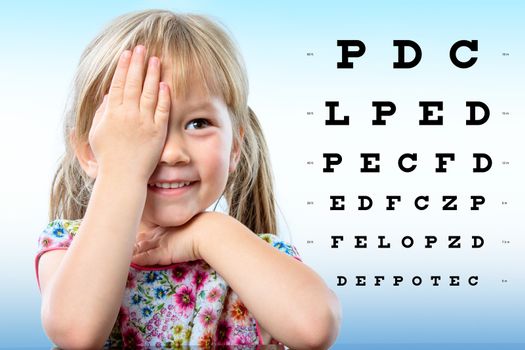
(85, 155)
(236, 151)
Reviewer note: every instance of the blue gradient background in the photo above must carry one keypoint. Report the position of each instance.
(42, 42)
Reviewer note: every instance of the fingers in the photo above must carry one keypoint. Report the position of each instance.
(162, 113)
(142, 252)
(146, 245)
(135, 77)
(116, 90)
(149, 257)
(130, 87)
(148, 99)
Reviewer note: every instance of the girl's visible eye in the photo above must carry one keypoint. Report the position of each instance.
(198, 123)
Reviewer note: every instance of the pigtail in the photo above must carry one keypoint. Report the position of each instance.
(70, 190)
(250, 196)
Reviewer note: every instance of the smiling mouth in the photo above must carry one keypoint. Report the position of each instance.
(174, 186)
(168, 191)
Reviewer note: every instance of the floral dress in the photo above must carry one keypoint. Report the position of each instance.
(175, 305)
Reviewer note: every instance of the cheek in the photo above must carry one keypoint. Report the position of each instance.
(213, 158)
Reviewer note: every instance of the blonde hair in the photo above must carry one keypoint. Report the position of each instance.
(196, 45)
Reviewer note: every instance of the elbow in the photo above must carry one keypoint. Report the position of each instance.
(69, 336)
(322, 333)
(73, 340)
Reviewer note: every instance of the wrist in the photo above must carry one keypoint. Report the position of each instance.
(122, 178)
(114, 184)
(215, 224)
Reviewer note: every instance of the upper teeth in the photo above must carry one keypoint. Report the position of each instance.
(171, 185)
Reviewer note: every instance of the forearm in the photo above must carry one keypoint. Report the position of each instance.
(87, 289)
(286, 297)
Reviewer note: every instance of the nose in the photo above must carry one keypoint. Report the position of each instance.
(174, 151)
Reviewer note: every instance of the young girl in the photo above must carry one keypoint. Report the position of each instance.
(159, 129)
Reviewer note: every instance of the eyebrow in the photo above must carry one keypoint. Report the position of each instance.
(201, 105)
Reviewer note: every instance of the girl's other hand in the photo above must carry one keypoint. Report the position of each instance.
(171, 245)
(129, 129)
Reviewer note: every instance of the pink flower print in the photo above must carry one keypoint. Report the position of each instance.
(199, 278)
(224, 330)
(158, 345)
(46, 242)
(207, 317)
(131, 339)
(179, 272)
(239, 312)
(243, 339)
(214, 294)
(123, 316)
(131, 282)
(206, 341)
(185, 298)
(201, 263)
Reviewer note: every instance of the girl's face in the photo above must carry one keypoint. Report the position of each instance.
(199, 148)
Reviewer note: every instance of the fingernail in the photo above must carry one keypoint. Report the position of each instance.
(139, 49)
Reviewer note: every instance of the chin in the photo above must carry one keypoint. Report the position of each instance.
(167, 219)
